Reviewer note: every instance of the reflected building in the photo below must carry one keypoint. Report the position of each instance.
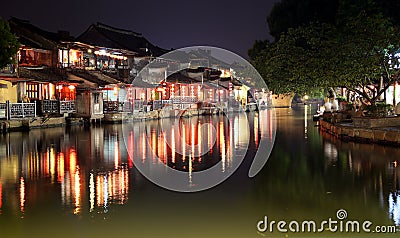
(375, 165)
(90, 169)
(30, 162)
(108, 188)
(394, 207)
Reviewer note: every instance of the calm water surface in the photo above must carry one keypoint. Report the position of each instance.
(81, 182)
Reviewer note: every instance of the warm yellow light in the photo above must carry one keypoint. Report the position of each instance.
(60, 167)
(52, 163)
(71, 87)
(172, 145)
(77, 191)
(116, 154)
(73, 55)
(92, 194)
(22, 194)
(192, 91)
(222, 145)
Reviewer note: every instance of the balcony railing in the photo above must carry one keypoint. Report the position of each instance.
(17, 110)
(116, 106)
(57, 107)
(111, 106)
(22, 110)
(184, 99)
(49, 106)
(67, 107)
(3, 110)
(137, 105)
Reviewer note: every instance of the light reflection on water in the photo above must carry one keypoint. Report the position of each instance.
(394, 207)
(87, 171)
(91, 167)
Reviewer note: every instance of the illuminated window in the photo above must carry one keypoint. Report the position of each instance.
(32, 91)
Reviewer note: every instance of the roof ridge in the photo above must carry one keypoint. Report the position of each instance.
(52, 36)
(106, 36)
(119, 30)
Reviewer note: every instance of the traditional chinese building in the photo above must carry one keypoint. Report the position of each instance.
(37, 74)
(120, 53)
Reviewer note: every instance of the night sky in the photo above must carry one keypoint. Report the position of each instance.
(231, 25)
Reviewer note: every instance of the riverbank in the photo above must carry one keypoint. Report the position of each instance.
(22, 124)
(28, 123)
(387, 135)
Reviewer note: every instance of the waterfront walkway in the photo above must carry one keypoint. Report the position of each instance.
(389, 135)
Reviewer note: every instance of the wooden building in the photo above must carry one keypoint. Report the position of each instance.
(118, 52)
(89, 105)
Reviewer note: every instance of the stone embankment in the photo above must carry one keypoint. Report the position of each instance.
(369, 130)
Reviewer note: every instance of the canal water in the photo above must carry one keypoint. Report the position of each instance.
(82, 182)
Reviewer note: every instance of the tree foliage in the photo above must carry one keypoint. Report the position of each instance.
(357, 51)
(293, 63)
(8, 44)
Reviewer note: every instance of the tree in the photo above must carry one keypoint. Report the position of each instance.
(296, 62)
(8, 44)
(358, 52)
(368, 53)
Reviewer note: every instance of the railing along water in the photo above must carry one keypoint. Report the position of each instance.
(22, 110)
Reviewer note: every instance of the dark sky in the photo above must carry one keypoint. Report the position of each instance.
(233, 25)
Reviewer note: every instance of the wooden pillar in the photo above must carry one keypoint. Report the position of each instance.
(69, 63)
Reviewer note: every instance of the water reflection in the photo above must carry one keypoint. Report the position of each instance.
(305, 120)
(189, 144)
(89, 169)
(110, 187)
(316, 176)
(369, 164)
(88, 173)
(76, 163)
(394, 207)
(22, 195)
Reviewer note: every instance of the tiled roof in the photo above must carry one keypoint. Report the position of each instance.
(110, 37)
(24, 29)
(42, 74)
